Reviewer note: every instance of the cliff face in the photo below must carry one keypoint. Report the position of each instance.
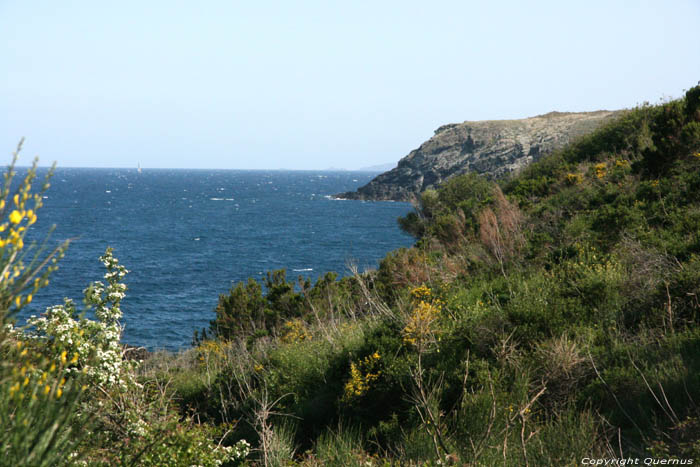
(493, 148)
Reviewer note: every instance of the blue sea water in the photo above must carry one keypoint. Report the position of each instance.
(187, 236)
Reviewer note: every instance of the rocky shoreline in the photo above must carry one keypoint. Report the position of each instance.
(492, 147)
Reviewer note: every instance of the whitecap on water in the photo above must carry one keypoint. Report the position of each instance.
(303, 270)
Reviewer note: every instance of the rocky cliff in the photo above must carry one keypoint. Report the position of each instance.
(493, 148)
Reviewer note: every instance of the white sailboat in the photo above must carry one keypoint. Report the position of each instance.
(139, 168)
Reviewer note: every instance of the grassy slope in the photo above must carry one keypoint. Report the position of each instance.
(555, 323)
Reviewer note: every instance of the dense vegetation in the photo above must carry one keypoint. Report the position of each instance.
(540, 320)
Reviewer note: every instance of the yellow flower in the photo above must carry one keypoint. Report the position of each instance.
(47, 389)
(421, 293)
(574, 179)
(419, 329)
(18, 300)
(2, 204)
(59, 391)
(600, 169)
(15, 217)
(362, 375)
(63, 357)
(16, 199)
(29, 298)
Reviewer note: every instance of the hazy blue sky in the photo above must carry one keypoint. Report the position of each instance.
(315, 84)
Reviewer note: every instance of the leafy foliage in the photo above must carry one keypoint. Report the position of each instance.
(533, 319)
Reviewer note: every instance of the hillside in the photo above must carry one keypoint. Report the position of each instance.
(491, 148)
(537, 322)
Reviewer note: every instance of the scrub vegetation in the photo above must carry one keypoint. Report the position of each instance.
(538, 320)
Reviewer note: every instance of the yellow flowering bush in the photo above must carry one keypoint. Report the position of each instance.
(362, 374)
(295, 330)
(210, 348)
(23, 269)
(420, 329)
(421, 293)
(600, 170)
(37, 407)
(574, 179)
(37, 401)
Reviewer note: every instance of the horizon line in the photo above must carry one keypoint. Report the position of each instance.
(330, 169)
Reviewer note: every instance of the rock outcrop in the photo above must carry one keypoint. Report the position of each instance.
(493, 148)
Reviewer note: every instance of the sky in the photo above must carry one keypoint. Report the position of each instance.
(317, 84)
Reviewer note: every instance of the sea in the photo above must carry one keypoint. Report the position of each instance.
(188, 236)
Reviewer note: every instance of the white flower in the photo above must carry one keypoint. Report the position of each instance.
(101, 338)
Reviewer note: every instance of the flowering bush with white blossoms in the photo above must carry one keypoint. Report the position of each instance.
(84, 345)
(238, 451)
(139, 418)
